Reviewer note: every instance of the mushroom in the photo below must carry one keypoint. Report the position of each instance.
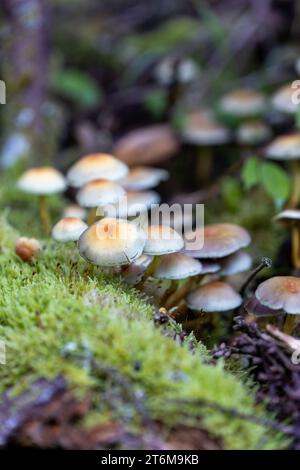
(96, 166)
(172, 69)
(73, 210)
(253, 133)
(202, 129)
(133, 273)
(236, 263)
(99, 193)
(243, 103)
(112, 242)
(147, 145)
(291, 217)
(177, 267)
(42, 181)
(68, 229)
(281, 293)
(216, 241)
(27, 248)
(282, 100)
(141, 178)
(133, 205)
(287, 148)
(160, 240)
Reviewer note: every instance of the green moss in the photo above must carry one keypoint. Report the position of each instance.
(57, 320)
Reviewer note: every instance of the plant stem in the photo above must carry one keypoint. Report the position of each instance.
(295, 196)
(150, 270)
(92, 215)
(44, 215)
(289, 324)
(175, 298)
(265, 263)
(296, 246)
(204, 164)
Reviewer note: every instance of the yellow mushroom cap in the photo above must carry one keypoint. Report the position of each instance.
(280, 292)
(99, 192)
(112, 242)
(177, 266)
(243, 102)
(96, 166)
(217, 241)
(42, 181)
(283, 100)
(141, 178)
(286, 147)
(201, 128)
(68, 229)
(162, 239)
(214, 297)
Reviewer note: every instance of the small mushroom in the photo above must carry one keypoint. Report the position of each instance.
(281, 293)
(133, 204)
(282, 100)
(216, 241)
(96, 166)
(213, 297)
(172, 69)
(147, 145)
(42, 181)
(236, 263)
(287, 148)
(27, 248)
(202, 130)
(112, 242)
(133, 273)
(253, 133)
(160, 240)
(141, 178)
(243, 103)
(68, 229)
(291, 218)
(99, 193)
(73, 210)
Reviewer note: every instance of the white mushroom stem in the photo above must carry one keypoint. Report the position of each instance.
(204, 164)
(289, 324)
(295, 196)
(44, 215)
(92, 215)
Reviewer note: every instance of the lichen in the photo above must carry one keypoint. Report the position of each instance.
(56, 319)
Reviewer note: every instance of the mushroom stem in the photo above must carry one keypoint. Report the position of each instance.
(295, 196)
(265, 263)
(151, 268)
(92, 215)
(289, 324)
(175, 298)
(204, 164)
(296, 246)
(172, 287)
(44, 215)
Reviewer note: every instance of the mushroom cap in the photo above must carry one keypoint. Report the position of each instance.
(96, 166)
(280, 292)
(68, 229)
(288, 216)
(201, 128)
(73, 210)
(282, 100)
(141, 178)
(177, 266)
(236, 263)
(216, 241)
(209, 267)
(214, 297)
(253, 133)
(112, 242)
(147, 145)
(161, 240)
(42, 180)
(99, 193)
(254, 307)
(243, 102)
(286, 147)
(133, 204)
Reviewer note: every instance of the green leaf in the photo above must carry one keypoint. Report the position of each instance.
(250, 173)
(275, 181)
(232, 193)
(156, 103)
(76, 86)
